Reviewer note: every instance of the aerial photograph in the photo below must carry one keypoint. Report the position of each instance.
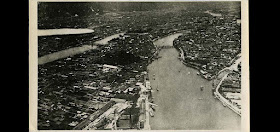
(139, 65)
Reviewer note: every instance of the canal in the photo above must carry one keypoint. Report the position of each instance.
(181, 103)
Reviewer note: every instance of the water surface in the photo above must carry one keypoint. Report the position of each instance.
(181, 103)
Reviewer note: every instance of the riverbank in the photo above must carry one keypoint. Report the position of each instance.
(178, 96)
(226, 101)
(79, 76)
(216, 92)
(84, 82)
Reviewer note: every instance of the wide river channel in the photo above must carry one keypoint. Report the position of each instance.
(181, 103)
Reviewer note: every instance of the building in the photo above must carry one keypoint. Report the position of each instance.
(235, 96)
(148, 85)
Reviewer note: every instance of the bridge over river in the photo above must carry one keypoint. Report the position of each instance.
(181, 103)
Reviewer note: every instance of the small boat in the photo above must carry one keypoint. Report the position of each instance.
(200, 98)
(151, 113)
(197, 73)
(153, 108)
(201, 88)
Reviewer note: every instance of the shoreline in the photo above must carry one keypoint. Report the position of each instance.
(157, 96)
(224, 100)
(216, 93)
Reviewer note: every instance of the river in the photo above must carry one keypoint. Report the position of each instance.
(181, 104)
(71, 51)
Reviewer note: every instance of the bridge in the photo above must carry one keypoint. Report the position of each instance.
(94, 116)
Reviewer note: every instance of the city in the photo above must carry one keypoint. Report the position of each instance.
(134, 62)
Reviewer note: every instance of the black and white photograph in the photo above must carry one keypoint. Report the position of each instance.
(139, 65)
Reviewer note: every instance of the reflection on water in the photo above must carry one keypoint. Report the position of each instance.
(181, 103)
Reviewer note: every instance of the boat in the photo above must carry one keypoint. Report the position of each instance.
(201, 88)
(151, 113)
(200, 98)
(153, 108)
(197, 73)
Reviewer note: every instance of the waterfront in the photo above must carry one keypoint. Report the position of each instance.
(179, 97)
(181, 104)
(82, 75)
